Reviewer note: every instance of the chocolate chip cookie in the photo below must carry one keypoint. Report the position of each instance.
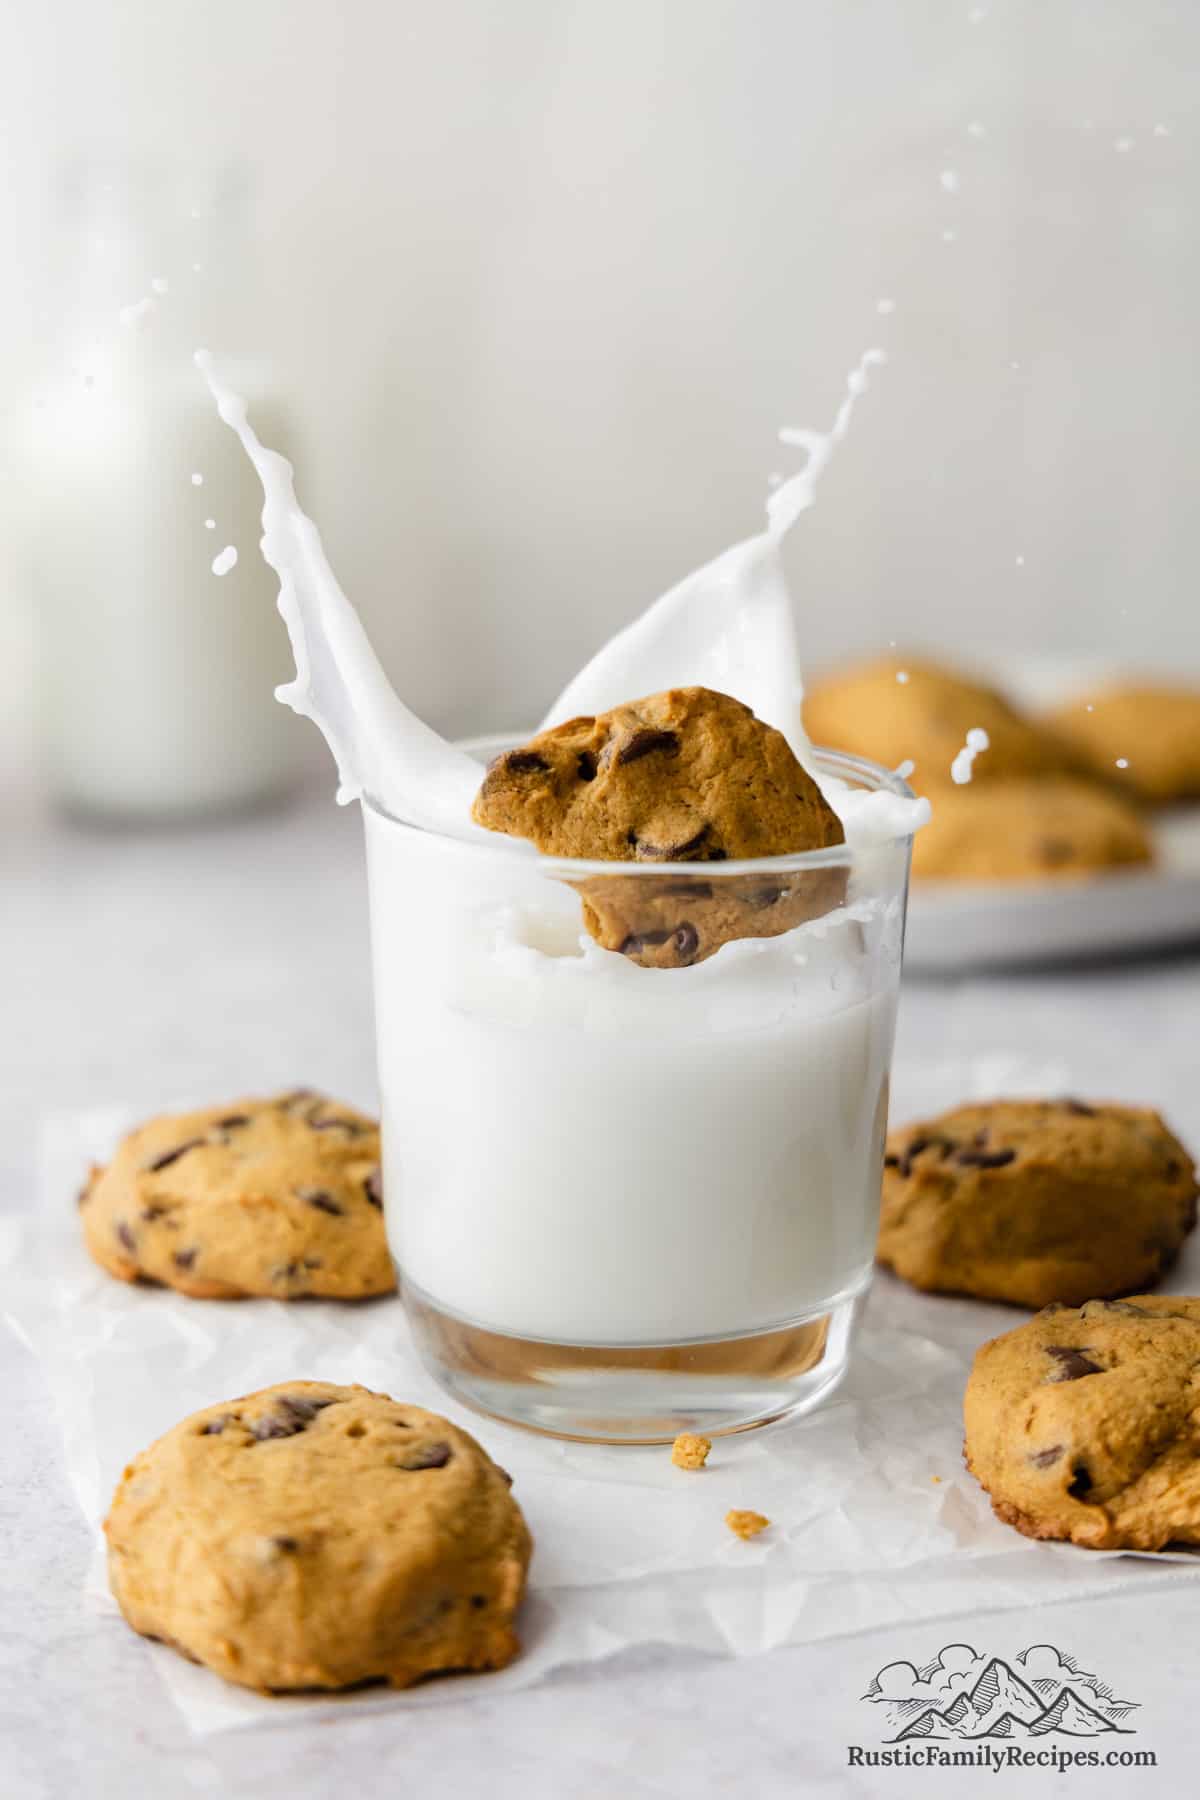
(278, 1197)
(1055, 829)
(685, 776)
(1144, 737)
(312, 1536)
(897, 709)
(1029, 1201)
(1083, 1423)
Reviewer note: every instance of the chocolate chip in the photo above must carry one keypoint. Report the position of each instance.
(912, 1151)
(1126, 1307)
(1042, 1459)
(374, 1187)
(645, 742)
(323, 1201)
(524, 762)
(1078, 1107)
(172, 1156)
(478, 1601)
(1080, 1482)
(427, 1456)
(312, 1262)
(272, 1427)
(292, 1100)
(635, 943)
(301, 1407)
(1056, 851)
(292, 1413)
(683, 851)
(154, 1211)
(764, 897)
(288, 1545)
(986, 1159)
(350, 1126)
(183, 1259)
(233, 1122)
(1073, 1364)
(687, 941)
(585, 768)
(215, 1427)
(891, 1162)
(126, 1236)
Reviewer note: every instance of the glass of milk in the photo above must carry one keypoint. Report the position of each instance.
(628, 1201)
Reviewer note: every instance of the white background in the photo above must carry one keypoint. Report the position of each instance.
(540, 279)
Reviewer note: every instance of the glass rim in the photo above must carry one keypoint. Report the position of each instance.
(838, 763)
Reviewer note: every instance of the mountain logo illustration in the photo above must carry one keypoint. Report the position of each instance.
(965, 1694)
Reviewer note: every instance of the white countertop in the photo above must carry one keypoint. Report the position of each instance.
(234, 958)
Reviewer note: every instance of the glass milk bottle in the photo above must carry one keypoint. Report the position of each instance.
(158, 639)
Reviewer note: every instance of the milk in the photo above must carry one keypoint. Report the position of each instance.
(582, 1150)
(154, 669)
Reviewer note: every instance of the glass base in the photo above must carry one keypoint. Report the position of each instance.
(635, 1394)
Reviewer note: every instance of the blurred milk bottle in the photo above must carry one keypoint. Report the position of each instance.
(156, 675)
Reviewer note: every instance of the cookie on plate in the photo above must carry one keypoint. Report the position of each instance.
(312, 1536)
(899, 709)
(1029, 1201)
(1055, 829)
(275, 1197)
(1144, 737)
(685, 776)
(1081, 1424)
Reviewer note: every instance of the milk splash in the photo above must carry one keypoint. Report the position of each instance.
(728, 626)
(383, 752)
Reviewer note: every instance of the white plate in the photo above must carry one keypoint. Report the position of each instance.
(956, 926)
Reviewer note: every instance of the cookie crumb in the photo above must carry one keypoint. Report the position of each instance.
(689, 1451)
(935, 1479)
(746, 1524)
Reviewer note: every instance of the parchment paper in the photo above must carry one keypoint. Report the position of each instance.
(874, 1519)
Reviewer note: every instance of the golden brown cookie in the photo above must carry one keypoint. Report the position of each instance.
(1144, 737)
(312, 1536)
(278, 1197)
(1055, 829)
(1084, 1423)
(898, 709)
(686, 776)
(1030, 1201)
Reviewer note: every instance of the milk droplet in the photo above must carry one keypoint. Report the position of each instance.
(197, 479)
(885, 306)
(1123, 144)
(160, 284)
(960, 768)
(906, 768)
(210, 524)
(902, 676)
(975, 129)
(224, 561)
(1122, 762)
(950, 180)
(135, 314)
